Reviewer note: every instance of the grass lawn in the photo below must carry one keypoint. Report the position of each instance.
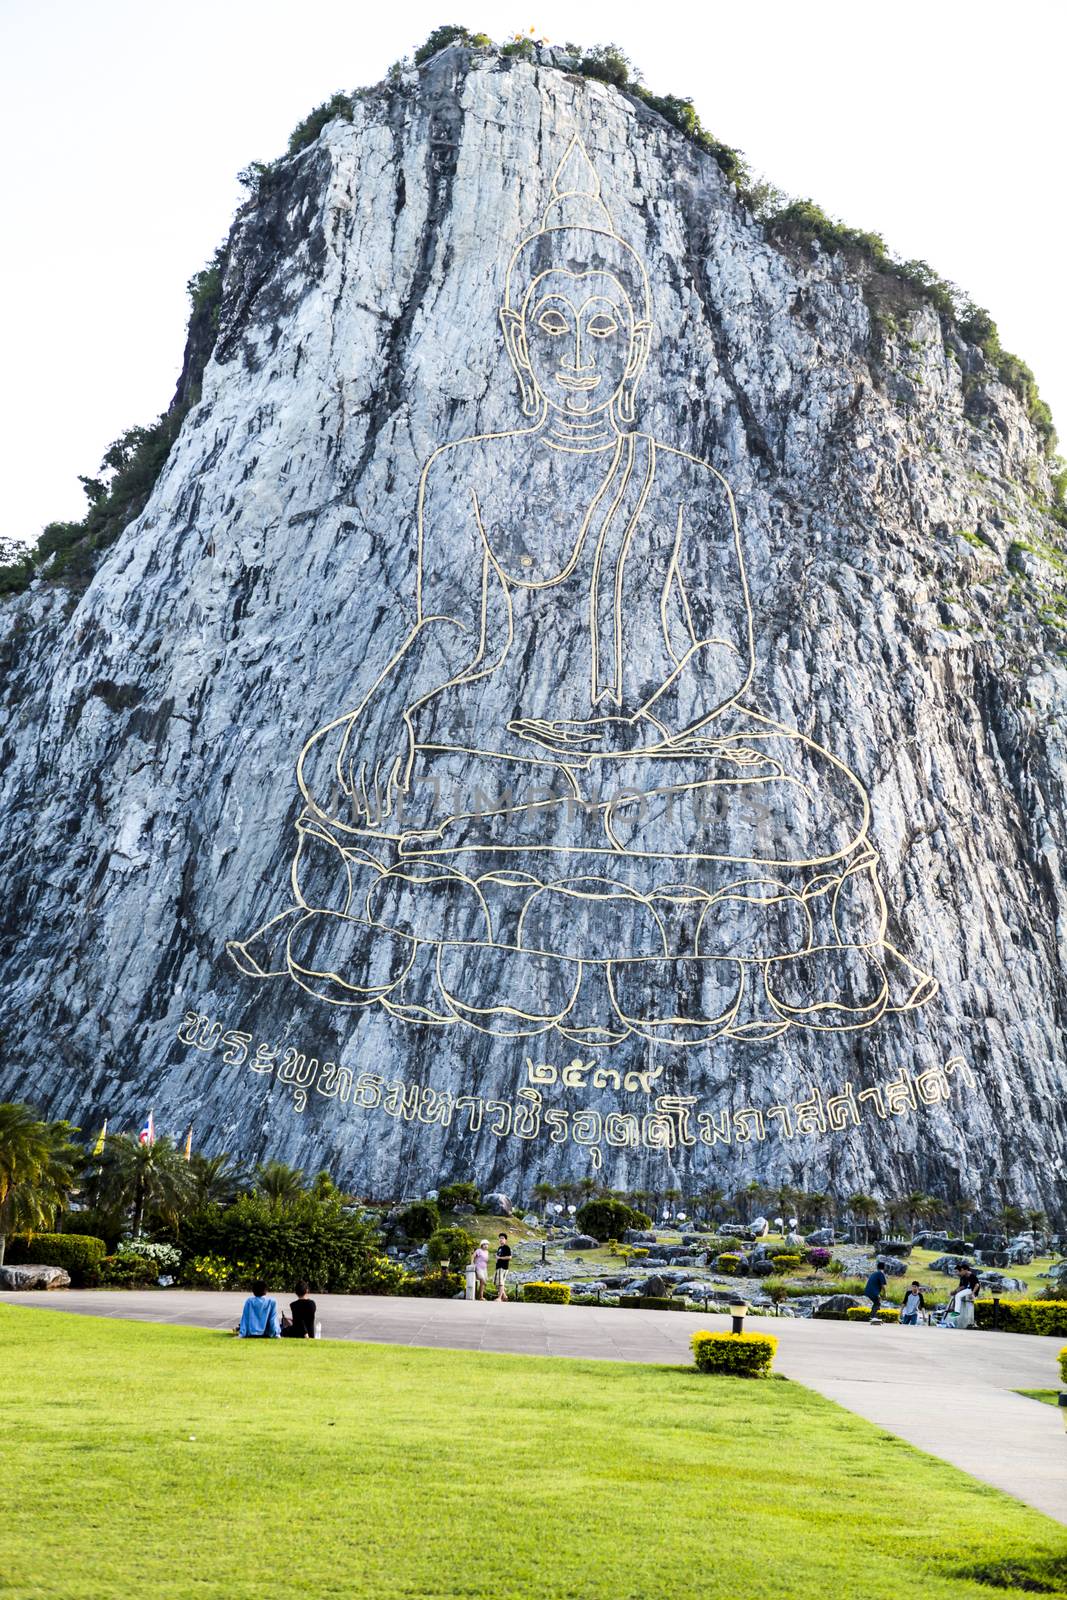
(1051, 1397)
(175, 1462)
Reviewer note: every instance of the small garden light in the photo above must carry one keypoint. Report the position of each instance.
(738, 1309)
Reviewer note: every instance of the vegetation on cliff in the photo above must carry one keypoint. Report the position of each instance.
(69, 552)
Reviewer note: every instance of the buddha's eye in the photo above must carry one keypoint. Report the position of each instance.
(602, 326)
(553, 322)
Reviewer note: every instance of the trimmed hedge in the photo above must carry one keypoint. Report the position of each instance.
(861, 1314)
(740, 1355)
(1025, 1316)
(80, 1254)
(730, 1264)
(1063, 1365)
(435, 1286)
(547, 1294)
(651, 1302)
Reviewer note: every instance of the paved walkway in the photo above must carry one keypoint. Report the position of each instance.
(948, 1393)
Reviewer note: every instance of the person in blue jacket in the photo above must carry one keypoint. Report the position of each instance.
(259, 1317)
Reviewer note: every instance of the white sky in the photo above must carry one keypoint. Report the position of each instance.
(123, 124)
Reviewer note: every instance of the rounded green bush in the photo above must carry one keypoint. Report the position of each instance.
(729, 1263)
(740, 1355)
(547, 1294)
(862, 1314)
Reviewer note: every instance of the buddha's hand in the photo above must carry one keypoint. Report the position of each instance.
(737, 755)
(586, 738)
(380, 776)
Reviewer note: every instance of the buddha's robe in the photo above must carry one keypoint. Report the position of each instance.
(519, 884)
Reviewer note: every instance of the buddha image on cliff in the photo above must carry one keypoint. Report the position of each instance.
(556, 808)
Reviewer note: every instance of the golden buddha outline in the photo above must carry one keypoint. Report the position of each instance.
(679, 866)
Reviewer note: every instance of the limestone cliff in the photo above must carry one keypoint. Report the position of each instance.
(451, 771)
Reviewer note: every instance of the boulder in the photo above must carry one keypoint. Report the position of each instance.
(733, 1230)
(758, 1228)
(580, 1241)
(31, 1277)
(1020, 1253)
(893, 1266)
(948, 1264)
(638, 1236)
(893, 1247)
(497, 1204)
(823, 1236)
(992, 1258)
(835, 1305)
(1058, 1270)
(989, 1241)
(1001, 1283)
(657, 1286)
(794, 1241)
(761, 1267)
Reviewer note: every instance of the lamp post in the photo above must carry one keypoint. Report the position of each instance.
(1063, 1406)
(738, 1308)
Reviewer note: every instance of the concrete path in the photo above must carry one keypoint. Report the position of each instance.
(948, 1393)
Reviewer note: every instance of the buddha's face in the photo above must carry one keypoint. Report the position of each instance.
(578, 337)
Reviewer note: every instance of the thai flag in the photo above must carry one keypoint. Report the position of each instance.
(147, 1134)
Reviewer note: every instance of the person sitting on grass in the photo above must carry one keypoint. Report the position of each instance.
(874, 1289)
(301, 1325)
(259, 1317)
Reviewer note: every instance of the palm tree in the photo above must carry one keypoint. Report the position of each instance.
(898, 1215)
(1011, 1219)
(217, 1180)
(867, 1209)
(39, 1165)
(543, 1193)
(1036, 1221)
(151, 1176)
(587, 1188)
(279, 1184)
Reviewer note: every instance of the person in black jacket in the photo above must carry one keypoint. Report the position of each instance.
(302, 1323)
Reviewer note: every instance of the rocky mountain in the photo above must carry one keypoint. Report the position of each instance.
(585, 694)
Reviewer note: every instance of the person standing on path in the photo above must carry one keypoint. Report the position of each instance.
(503, 1264)
(914, 1305)
(874, 1288)
(480, 1261)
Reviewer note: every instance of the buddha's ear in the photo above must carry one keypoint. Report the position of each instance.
(639, 347)
(515, 343)
(640, 344)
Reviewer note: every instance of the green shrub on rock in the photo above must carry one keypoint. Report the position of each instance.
(862, 1314)
(740, 1355)
(610, 1219)
(454, 1195)
(420, 1220)
(79, 1254)
(730, 1264)
(547, 1294)
(450, 1244)
(785, 1264)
